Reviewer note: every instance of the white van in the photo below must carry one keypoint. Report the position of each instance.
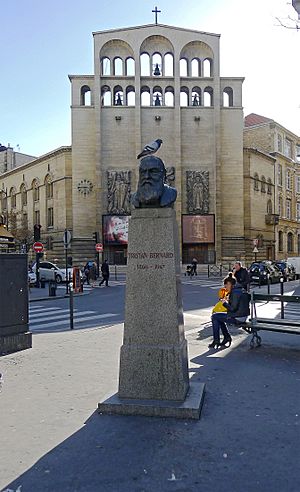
(295, 261)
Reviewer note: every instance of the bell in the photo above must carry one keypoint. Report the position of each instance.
(157, 101)
(156, 71)
(119, 100)
(196, 100)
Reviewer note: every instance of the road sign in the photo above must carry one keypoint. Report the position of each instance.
(67, 236)
(255, 242)
(255, 250)
(38, 247)
(99, 247)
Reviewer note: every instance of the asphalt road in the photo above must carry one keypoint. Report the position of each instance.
(102, 306)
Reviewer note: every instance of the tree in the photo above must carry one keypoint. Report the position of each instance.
(18, 226)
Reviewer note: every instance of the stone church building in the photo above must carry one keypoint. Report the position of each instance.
(149, 82)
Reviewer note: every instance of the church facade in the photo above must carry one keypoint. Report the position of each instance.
(149, 82)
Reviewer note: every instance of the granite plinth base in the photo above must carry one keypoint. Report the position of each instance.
(14, 343)
(190, 408)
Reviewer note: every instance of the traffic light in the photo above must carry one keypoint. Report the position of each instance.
(95, 237)
(37, 232)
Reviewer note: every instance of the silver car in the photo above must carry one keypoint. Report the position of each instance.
(50, 271)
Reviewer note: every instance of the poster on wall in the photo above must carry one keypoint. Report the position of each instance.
(115, 229)
(197, 229)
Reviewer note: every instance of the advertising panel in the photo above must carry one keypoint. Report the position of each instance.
(197, 229)
(115, 229)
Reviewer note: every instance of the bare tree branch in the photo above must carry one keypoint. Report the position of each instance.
(296, 27)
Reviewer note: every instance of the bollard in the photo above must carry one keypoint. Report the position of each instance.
(281, 293)
(116, 272)
(268, 281)
(71, 305)
(207, 271)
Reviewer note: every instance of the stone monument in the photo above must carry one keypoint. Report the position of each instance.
(154, 377)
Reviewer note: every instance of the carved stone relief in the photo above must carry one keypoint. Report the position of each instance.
(197, 190)
(118, 192)
(170, 176)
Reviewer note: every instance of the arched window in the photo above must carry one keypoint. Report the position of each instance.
(145, 64)
(85, 96)
(263, 185)
(105, 66)
(269, 207)
(118, 66)
(256, 180)
(208, 96)
(130, 96)
(290, 242)
(280, 206)
(35, 190)
(195, 66)
(184, 96)
(105, 95)
(169, 96)
(23, 195)
(227, 97)
(207, 67)
(118, 96)
(183, 67)
(196, 96)
(130, 67)
(49, 187)
(169, 65)
(157, 99)
(280, 241)
(157, 64)
(145, 96)
(13, 197)
(269, 186)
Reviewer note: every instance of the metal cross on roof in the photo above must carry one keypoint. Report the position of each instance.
(156, 11)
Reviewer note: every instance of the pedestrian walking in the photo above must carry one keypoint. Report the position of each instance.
(194, 265)
(86, 272)
(93, 273)
(241, 275)
(105, 273)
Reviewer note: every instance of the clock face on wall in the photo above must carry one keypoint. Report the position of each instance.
(85, 187)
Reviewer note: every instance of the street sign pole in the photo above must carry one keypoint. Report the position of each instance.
(67, 239)
(37, 270)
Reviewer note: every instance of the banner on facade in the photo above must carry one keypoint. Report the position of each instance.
(115, 229)
(197, 229)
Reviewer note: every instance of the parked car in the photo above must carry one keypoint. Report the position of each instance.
(50, 271)
(287, 269)
(31, 278)
(259, 271)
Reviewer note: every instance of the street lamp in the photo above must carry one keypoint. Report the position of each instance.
(6, 196)
(296, 5)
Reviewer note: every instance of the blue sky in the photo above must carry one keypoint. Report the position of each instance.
(44, 41)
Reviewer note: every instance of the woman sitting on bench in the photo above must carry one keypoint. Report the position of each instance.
(238, 309)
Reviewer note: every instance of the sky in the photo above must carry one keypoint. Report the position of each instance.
(41, 42)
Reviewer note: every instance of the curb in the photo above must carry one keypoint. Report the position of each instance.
(39, 299)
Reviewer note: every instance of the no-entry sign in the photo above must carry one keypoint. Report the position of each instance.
(38, 247)
(99, 247)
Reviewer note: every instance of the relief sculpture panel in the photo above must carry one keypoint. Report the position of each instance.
(118, 192)
(197, 191)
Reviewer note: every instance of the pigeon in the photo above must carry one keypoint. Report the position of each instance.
(151, 148)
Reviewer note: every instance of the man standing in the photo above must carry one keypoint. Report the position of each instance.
(105, 273)
(194, 265)
(241, 274)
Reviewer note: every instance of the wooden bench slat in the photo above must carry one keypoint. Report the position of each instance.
(288, 322)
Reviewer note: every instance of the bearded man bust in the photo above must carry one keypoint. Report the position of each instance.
(152, 191)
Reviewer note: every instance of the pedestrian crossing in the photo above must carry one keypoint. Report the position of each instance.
(55, 319)
(213, 284)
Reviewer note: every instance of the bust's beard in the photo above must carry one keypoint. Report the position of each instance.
(150, 194)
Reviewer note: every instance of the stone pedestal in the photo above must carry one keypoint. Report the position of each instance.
(153, 376)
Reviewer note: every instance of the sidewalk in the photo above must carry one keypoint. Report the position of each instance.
(39, 294)
(53, 440)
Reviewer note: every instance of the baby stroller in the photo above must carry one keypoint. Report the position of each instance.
(190, 271)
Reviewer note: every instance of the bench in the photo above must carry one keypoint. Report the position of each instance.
(256, 324)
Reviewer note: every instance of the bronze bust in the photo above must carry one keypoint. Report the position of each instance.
(152, 191)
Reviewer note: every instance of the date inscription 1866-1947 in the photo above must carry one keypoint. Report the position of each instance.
(152, 255)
